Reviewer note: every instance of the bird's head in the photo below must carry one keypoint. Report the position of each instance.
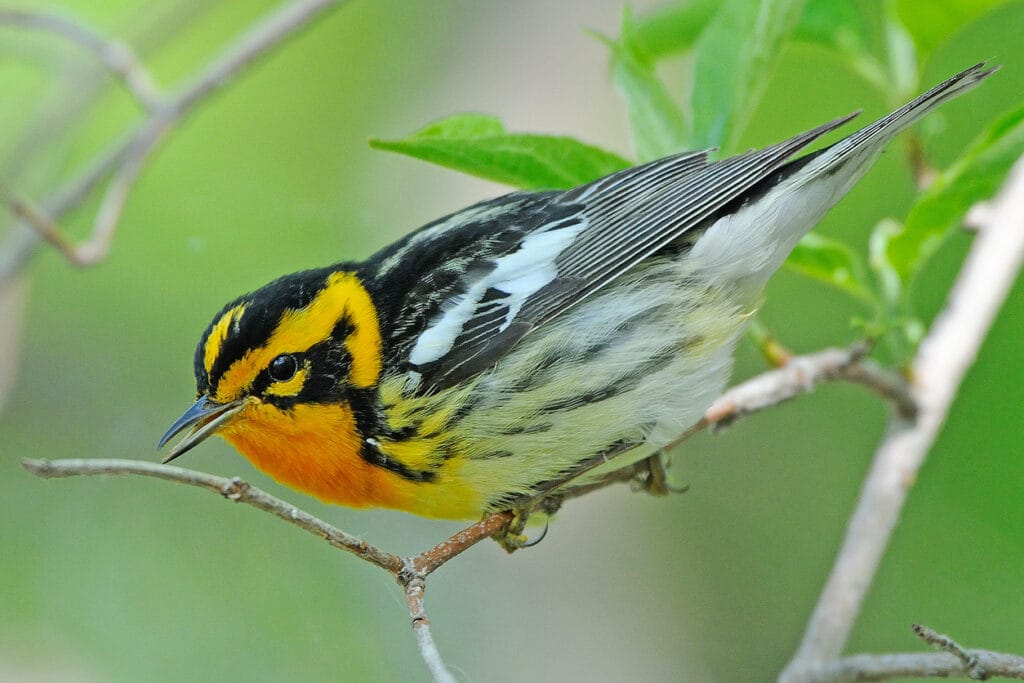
(278, 372)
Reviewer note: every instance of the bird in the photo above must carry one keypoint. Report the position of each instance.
(528, 346)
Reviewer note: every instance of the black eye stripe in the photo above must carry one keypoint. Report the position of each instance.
(263, 313)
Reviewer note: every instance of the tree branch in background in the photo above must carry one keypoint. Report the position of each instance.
(801, 374)
(115, 55)
(124, 158)
(955, 660)
(947, 644)
(942, 360)
(915, 665)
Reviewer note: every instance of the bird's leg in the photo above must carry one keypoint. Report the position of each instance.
(512, 538)
(652, 475)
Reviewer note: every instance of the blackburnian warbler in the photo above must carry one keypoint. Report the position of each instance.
(527, 345)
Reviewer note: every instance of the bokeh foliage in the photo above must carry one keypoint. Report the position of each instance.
(136, 580)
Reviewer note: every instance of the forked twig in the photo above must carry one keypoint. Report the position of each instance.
(411, 572)
(124, 158)
(115, 55)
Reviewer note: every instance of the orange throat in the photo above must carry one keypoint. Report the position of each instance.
(314, 448)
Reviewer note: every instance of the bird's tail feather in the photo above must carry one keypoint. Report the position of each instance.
(875, 135)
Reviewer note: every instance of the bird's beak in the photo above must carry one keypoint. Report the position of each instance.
(204, 417)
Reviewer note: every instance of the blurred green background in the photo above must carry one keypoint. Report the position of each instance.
(128, 579)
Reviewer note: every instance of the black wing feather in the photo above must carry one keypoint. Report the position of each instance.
(630, 215)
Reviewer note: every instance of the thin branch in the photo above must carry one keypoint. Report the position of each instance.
(856, 668)
(414, 591)
(97, 246)
(269, 32)
(942, 642)
(78, 86)
(233, 489)
(924, 173)
(411, 573)
(800, 375)
(27, 212)
(938, 369)
(116, 56)
(427, 562)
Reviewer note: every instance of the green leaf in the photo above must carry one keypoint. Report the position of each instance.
(673, 28)
(939, 210)
(840, 25)
(656, 123)
(878, 259)
(479, 145)
(832, 262)
(930, 23)
(847, 28)
(733, 60)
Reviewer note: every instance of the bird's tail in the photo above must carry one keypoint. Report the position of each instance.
(874, 137)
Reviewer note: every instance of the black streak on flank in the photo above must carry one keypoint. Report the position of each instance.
(372, 455)
(622, 384)
(370, 426)
(535, 428)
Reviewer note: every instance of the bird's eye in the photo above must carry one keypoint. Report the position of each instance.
(283, 368)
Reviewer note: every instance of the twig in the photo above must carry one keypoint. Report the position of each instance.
(924, 173)
(414, 590)
(265, 35)
(943, 358)
(431, 560)
(411, 572)
(26, 211)
(886, 667)
(974, 668)
(800, 375)
(96, 248)
(114, 55)
(78, 87)
(233, 489)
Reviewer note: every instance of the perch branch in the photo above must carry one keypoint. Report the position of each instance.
(233, 489)
(941, 362)
(411, 573)
(414, 590)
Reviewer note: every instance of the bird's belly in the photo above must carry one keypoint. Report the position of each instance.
(631, 368)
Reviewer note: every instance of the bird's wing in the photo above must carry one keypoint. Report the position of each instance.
(559, 248)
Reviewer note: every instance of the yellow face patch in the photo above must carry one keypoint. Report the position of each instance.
(299, 330)
(290, 387)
